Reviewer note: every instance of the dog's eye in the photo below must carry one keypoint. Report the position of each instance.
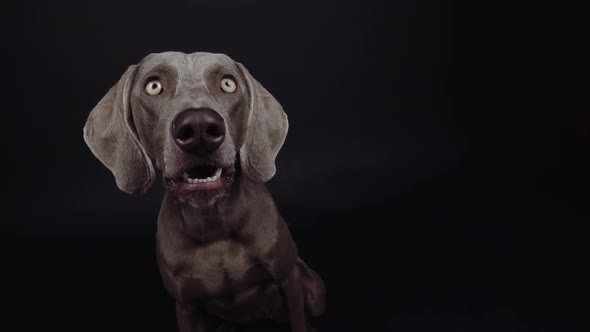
(153, 88)
(228, 85)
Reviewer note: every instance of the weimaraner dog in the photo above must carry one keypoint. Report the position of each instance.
(224, 252)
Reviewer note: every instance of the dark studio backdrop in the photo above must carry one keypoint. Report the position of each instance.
(435, 173)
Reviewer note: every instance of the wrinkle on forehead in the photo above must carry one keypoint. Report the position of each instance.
(199, 58)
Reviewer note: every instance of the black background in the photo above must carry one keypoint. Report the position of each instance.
(435, 173)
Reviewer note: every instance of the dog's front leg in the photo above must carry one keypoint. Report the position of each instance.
(191, 318)
(293, 292)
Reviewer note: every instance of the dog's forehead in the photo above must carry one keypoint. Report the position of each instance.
(197, 62)
(207, 59)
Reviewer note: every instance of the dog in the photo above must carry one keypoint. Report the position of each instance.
(223, 250)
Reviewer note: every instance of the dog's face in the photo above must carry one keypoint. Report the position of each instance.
(189, 112)
(196, 116)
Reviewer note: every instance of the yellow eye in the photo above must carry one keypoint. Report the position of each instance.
(228, 85)
(153, 88)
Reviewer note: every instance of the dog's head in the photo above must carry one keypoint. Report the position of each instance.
(198, 116)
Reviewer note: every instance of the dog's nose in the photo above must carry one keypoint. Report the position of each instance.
(198, 130)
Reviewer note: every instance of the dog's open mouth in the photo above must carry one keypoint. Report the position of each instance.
(203, 174)
(201, 185)
(203, 177)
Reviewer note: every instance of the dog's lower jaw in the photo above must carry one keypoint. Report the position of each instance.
(202, 203)
(205, 198)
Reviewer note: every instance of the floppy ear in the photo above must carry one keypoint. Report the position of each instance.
(111, 136)
(266, 129)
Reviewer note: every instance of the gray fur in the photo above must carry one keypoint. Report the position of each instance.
(110, 134)
(257, 124)
(227, 254)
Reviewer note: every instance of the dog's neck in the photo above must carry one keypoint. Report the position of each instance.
(227, 217)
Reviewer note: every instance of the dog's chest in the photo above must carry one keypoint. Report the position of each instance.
(218, 268)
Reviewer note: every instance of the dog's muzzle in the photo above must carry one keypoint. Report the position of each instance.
(200, 132)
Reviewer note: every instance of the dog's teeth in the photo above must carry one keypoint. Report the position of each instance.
(212, 178)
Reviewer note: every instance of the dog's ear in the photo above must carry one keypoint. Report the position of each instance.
(266, 130)
(111, 136)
